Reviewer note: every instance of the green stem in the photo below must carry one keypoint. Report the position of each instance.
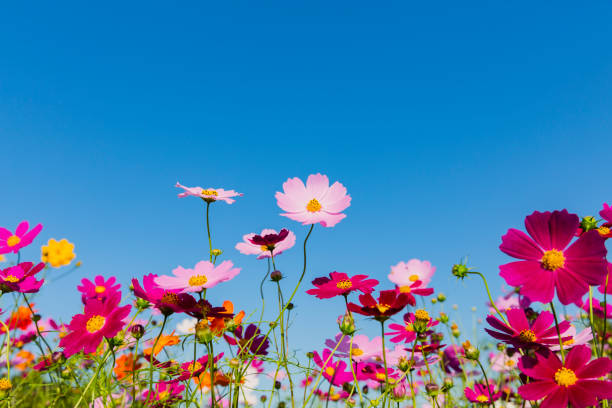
(211, 362)
(151, 358)
(208, 231)
(605, 321)
(489, 294)
(552, 308)
(384, 353)
(484, 373)
(93, 378)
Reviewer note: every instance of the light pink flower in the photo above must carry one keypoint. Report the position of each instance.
(501, 362)
(406, 273)
(314, 203)
(204, 275)
(248, 248)
(577, 339)
(210, 194)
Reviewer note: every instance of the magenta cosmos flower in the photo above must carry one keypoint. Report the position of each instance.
(340, 283)
(389, 303)
(268, 240)
(210, 194)
(407, 332)
(548, 263)
(521, 333)
(314, 203)
(21, 278)
(575, 382)
(204, 275)
(481, 394)
(167, 301)
(406, 273)
(13, 242)
(99, 289)
(334, 372)
(99, 320)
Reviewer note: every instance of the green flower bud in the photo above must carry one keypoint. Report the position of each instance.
(588, 223)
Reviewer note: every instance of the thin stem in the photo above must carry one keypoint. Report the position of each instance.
(592, 320)
(211, 362)
(552, 308)
(151, 359)
(93, 378)
(384, 353)
(489, 294)
(605, 308)
(484, 373)
(208, 231)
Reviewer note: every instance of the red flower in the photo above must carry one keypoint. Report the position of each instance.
(574, 382)
(167, 301)
(389, 303)
(269, 240)
(414, 289)
(340, 283)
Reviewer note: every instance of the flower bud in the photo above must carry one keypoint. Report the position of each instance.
(289, 306)
(501, 346)
(276, 276)
(310, 355)
(399, 391)
(441, 297)
(433, 301)
(5, 387)
(588, 223)
(471, 352)
(443, 318)
(346, 324)
(58, 357)
(447, 385)
(36, 317)
(263, 398)
(234, 363)
(66, 373)
(277, 385)
(460, 271)
(405, 364)
(432, 389)
(142, 304)
(137, 331)
(203, 332)
(216, 252)
(272, 325)
(421, 319)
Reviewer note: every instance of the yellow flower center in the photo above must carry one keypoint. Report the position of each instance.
(409, 327)
(344, 284)
(380, 376)
(482, 398)
(527, 336)
(170, 298)
(95, 323)
(568, 342)
(565, 377)
(5, 384)
(13, 240)
(382, 308)
(422, 315)
(162, 396)
(11, 278)
(209, 193)
(553, 260)
(405, 289)
(603, 230)
(100, 289)
(413, 278)
(193, 367)
(313, 205)
(510, 363)
(264, 248)
(330, 371)
(197, 280)
(357, 352)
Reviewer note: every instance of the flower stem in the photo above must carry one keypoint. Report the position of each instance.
(552, 308)
(208, 231)
(151, 358)
(489, 294)
(484, 373)
(605, 325)
(384, 353)
(211, 361)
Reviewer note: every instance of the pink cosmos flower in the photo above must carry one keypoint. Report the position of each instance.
(165, 394)
(406, 333)
(315, 203)
(166, 301)
(210, 194)
(190, 369)
(13, 242)
(415, 288)
(576, 339)
(248, 247)
(575, 382)
(501, 362)
(204, 275)
(340, 283)
(521, 333)
(547, 261)
(100, 289)
(406, 273)
(481, 394)
(21, 278)
(598, 309)
(99, 320)
(334, 372)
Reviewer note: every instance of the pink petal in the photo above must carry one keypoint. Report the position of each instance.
(317, 185)
(537, 390)
(596, 368)
(517, 244)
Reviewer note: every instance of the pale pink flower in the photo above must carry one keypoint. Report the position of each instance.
(577, 339)
(406, 273)
(262, 251)
(204, 275)
(209, 194)
(500, 362)
(314, 203)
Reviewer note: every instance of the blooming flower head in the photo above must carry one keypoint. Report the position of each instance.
(413, 323)
(58, 253)
(21, 278)
(163, 341)
(262, 245)
(481, 394)
(192, 368)
(340, 283)
(125, 365)
(218, 324)
(210, 194)
(333, 371)
(313, 203)
(598, 309)
(575, 381)
(389, 303)
(575, 339)
(99, 320)
(204, 275)
(414, 288)
(250, 341)
(14, 241)
(406, 273)
(521, 333)
(548, 263)
(166, 394)
(166, 300)
(502, 362)
(99, 289)
(20, 318)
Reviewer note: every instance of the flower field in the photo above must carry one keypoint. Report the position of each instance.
(549, 339)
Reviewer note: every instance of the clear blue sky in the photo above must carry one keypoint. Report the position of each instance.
(448, 123)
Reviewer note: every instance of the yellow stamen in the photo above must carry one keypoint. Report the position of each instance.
(11, 278)
(482, 398)
(565, 377)
(413, 278)
(382, 308)
(95, 323)
(344, 284)
(527, 336)
(197, 280)
(422, 315)
(209, 193)
(553, 260)
(313, 205)
(405, 289)
(357, 352)
(13, 240)
(5, 384)
(603, 230)
(170, 298)
(193, 367)
(100, 289)
(330, 371)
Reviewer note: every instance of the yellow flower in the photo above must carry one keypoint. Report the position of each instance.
(2, 258)
(58, 253)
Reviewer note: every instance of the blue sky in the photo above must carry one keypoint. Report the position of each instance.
(447, 123)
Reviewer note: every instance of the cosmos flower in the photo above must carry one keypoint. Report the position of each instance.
(204, 275)
(125, 365)
(415, 288)
(250, 341)
(268, 239)
(190, 369)
(575, 339)
(13, 242)
(166, 394)
(501, 362)
(218, 324)
(98, 321)
(548, 263)
(167, 301)
(340, 283)
(598, 309)
(21, 318)
(575, 381)
(389, 303)
(407, 332)
(161, 342)
(21, 278)
(334, 372)
(58, 253)
(453, 358)
(99, 289)
(521, 333)
(210, 194)
(406, 273)
(481, 394)
(314, 203)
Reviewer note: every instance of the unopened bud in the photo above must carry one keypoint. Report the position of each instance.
(443, 317)
(216, 252)
(36, 317)
(137, 331)
(142, 304)
(588, 223)
(346, 324)
(289, 306)
(447, 385)
(203, 332)
(405, 364)
(460, 271)
(432, 389)
(441, 297)
(276, 276)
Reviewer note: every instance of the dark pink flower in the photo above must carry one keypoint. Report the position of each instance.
(248, 247)
(521, 333)
(407, 332)
(190, 369)
(166, 394)
(251, 341)
(99, 320)
(598, 308)
(167, 301)
(334, 372)
(389, 303)
(575, 382)
(13, 242)
(100, 289)
(340, 283)
(20, 278)
(548, 263)
(415, 288)
(481, 394)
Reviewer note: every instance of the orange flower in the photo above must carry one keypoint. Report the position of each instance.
(218, 324)
(125, 365)
(21, 318)
(163, 341)
(26, 358)
(203, 380)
